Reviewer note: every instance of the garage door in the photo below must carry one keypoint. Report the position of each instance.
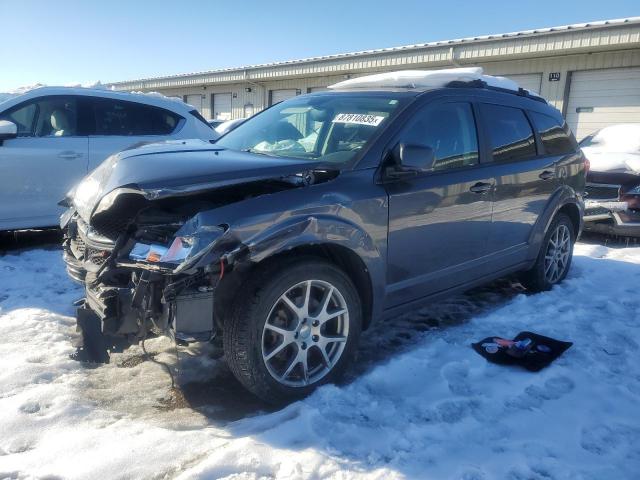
(528, 81)
(317, 89)
(278, 96)
(598, 98)
(195, 101)
(221, 106)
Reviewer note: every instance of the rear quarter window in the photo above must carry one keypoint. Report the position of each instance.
(556, 136)
(510, 134)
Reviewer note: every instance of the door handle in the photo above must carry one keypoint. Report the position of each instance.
(547, 175)
(481, 187)
(69, 155)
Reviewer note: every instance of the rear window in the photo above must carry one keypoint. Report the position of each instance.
(509, 132)
(556, 137)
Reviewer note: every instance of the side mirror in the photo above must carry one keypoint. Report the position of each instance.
(411, 160)
(416, 157)
(8, 130)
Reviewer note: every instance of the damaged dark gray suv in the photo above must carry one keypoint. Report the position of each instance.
(292, 233)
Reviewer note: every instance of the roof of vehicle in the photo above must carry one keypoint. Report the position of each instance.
(153, 98)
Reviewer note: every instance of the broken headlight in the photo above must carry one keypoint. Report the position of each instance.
(184, 249)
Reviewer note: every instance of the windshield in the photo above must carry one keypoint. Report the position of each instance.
(327, 128)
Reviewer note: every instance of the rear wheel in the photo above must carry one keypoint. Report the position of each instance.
(292, 328)
(554, 259)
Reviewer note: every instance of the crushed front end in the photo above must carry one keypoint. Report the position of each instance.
(142, 278)
(151, 232)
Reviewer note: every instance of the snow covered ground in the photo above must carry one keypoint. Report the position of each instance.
(419, 404)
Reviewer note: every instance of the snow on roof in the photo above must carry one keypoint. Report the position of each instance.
(426, 79)
(480, 38)
(151, 98)
(98, 85)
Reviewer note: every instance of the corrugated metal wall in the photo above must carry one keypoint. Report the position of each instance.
(258, 97)
(553, 91)
(551, 42)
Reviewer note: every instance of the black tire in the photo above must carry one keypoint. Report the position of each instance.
(537, 278)
(244, 333)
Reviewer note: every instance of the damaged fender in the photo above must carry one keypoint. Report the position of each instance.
(239, 246)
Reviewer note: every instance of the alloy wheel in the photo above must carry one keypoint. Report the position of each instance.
(558, 252)
(305, 333)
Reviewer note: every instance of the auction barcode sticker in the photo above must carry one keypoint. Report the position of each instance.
(359, 119)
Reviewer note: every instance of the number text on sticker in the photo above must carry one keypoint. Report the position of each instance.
(359, 118)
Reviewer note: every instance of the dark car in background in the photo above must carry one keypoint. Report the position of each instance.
(321, 215)
(613, 182)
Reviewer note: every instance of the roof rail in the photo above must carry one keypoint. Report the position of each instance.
(478, 83)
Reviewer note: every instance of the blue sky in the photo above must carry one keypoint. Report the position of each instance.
(75, 41)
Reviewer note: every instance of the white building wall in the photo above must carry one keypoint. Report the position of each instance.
(554, 91)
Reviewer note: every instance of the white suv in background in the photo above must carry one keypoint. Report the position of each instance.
(51, 137)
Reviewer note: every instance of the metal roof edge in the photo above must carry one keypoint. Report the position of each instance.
(440, 43)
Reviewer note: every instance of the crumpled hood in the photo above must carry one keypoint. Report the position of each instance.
(179, 167)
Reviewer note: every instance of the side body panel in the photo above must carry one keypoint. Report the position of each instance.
(438, 231)
(35, 174)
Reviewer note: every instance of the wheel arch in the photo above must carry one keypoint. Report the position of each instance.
(564, 201)
(572, 211)
(331, 239)
(340, 256)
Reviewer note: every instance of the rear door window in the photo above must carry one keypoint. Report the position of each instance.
(556, 137)
(510, 134)
(119, 118)
(450, 130)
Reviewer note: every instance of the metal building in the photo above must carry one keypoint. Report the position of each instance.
(590, 71)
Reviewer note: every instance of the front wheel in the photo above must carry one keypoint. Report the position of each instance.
(554, 259)
(292, 328)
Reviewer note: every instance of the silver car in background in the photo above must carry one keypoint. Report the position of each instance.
(51, 137)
